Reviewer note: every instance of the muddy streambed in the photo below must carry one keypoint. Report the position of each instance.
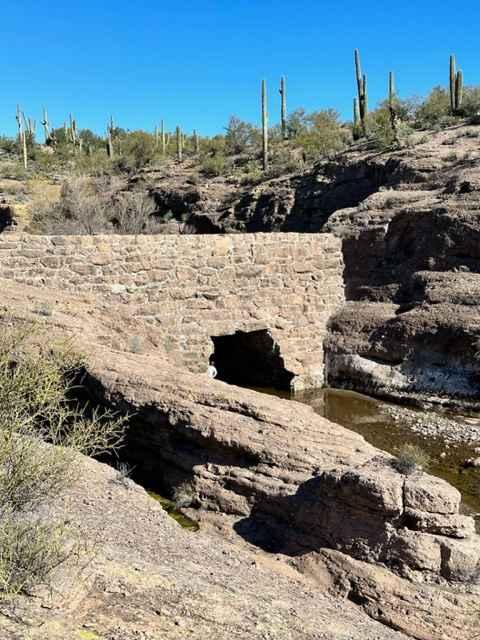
(389, 426)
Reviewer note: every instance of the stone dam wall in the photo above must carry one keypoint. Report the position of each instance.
(191, 288)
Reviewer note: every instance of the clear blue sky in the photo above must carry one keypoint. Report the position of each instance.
(196, 63)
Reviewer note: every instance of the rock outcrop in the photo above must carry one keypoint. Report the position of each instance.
(412, 266)
(287, 480)
(147, 578)
(294, 480)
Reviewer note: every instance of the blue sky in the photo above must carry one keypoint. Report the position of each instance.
(196, 63)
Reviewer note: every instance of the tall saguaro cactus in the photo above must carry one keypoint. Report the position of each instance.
(179, 144)
(356, 120)
(46, 126)
(392, 94)
(264, 126)
(453, 73)
(110, 130)
(391, 89)
(196, 142)
(456, 87)
(283, 94)
(162, 135)
(22, 137)
(362, 92)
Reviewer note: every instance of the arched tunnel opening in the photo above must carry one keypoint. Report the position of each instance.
(250, 359)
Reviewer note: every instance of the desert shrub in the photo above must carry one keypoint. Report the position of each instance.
(434, 110)
(89, 206)
(183, 495)
(251, 173)
(410, 458)
(80, 210)
(134, 149)
(132, 213)
(380, 131)
(42, 428)
(136, 344)
(216, 165)
(319, 133)
(471, 102)
(10, 145)
(284, 159)
(241, 136)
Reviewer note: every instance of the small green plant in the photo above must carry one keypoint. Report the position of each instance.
(410, 458)
(183, 495)
(124, 473)
(136, 344)
(44, 309)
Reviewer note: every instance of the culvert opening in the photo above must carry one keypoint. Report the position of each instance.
(250, 359)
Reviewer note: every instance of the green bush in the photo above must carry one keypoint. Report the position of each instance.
(10, 145)
(134, 150)
(434, 110)
(216, 165)
(41, 431)
(380, 131)
(319, 133)
(241, 137)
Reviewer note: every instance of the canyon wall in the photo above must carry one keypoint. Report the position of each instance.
(192, 288)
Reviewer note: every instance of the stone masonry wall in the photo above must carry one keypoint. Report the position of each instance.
(193, 287)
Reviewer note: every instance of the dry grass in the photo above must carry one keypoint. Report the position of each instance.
(411, 458)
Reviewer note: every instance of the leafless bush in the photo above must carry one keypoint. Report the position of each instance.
(133, 213)
(41, 432)
(94, 206)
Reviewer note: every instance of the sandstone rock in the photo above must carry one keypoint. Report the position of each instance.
(426, 612)
(461, 560)
(277, 467)
(451, 525)
(151, 579)
(431, 495)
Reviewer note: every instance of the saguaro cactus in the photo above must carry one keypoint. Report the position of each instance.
(453, 73)
(362, 92)
(162, 135)
(392, 94)
(196, 142)
(264, 126)
(110, 131)
(456, 87)
(179, 144)
(46, 126)
(283, 94)
(22, 138)
(391, 89)
(458, 90)
(73, 130)
(356, 120)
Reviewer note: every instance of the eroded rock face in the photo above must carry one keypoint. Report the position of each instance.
(285, 478)
(414, 246)
(389, 351)
(287, 474)
(148, 578)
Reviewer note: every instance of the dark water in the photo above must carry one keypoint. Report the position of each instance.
(173, 512)
(365, 416)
